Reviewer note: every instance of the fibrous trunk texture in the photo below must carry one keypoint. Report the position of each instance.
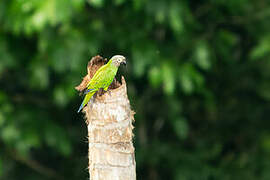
(109, 121)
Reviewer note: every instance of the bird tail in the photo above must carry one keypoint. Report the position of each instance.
(86, 99)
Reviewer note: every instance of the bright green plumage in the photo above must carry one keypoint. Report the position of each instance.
(102, 78)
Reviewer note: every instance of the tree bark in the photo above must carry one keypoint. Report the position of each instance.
(109, 121)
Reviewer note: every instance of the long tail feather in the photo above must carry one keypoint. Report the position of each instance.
(86, 99)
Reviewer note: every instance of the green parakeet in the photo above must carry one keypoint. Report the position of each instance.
(103, 78)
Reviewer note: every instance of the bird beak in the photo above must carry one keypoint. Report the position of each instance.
(124, 62)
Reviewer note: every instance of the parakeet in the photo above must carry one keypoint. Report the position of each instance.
(103, 78)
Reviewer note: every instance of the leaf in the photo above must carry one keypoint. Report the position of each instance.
(96, 3)
(119, 2)
(190, 79)
(186, 83)
(143, 55)
(155, 76)
(168, 78)
(262, 49)
(60, 96)
(138, 4)
(175, 18)
(181, 127)
(10, 133)
(202, 56)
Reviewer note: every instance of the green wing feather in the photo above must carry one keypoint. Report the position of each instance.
(103, 77)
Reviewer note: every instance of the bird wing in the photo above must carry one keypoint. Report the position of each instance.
(102, 78)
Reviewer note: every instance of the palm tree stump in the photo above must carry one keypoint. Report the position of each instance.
(109, 121)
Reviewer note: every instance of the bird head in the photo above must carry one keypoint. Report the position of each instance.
(117, 60)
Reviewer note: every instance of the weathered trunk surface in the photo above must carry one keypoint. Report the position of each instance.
(109, 121)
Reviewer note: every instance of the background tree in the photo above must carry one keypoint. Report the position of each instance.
(198, 79)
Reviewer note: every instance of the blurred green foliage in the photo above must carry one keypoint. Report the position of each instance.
(198, 77)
